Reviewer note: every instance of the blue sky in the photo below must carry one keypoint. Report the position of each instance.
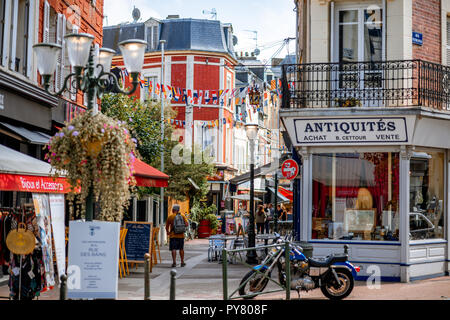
(274, 20)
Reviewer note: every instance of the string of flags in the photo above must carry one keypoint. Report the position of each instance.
(204, 96)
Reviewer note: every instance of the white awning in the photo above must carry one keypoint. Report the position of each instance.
(15, 162)
(34, 137)
(244, 197)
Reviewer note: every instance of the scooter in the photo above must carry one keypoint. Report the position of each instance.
(334, 274)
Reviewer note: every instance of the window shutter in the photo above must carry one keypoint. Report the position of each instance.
(58, 72)
(73, 96)
(46, 34)
(63, 50)
(13, 32)
(31, 28)
(155, 37)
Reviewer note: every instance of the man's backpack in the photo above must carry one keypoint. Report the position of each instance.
(179, 226)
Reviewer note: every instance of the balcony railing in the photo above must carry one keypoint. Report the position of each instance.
(366, 84)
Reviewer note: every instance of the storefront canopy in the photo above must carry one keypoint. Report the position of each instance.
(34, 137)
(20, 172)
(147, 176)
(280, 196)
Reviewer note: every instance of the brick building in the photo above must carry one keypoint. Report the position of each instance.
(28, 114)
(359, 62)
(199, 69)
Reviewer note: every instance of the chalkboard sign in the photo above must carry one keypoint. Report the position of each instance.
(138, 240)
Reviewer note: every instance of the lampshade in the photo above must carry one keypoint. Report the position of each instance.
(133, 54)
(47, 55)
(78, 46)
(105, 58)
(251, 130)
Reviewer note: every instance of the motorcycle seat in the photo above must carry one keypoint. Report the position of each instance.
(328, 261)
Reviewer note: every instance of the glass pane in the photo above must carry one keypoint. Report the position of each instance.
(348, 43)
(373, 40)
(348, 16)
(355, 196)
(373, 16)
(426, 195)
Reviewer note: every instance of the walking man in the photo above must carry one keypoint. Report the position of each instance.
(175, 227)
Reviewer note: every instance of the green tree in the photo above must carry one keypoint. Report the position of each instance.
(144, 121)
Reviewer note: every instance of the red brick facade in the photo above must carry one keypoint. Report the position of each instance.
(426, 19)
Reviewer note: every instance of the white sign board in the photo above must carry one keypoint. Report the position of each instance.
(93, 260)
(59, 236)
(364, 130)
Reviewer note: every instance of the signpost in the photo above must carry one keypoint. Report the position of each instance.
(93, 260)
(138, 240)
(289, 169)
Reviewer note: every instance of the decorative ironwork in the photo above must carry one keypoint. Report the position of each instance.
(366, 84)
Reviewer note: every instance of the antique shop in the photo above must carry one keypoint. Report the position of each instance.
(376, 180)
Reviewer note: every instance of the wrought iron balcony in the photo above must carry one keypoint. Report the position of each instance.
(366, 84)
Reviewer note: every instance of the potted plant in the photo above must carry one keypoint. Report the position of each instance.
(213, 222)
(200, 213)
(348, 102)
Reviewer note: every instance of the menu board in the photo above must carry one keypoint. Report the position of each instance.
(138, 240)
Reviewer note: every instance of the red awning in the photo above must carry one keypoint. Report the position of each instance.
(147, 176)
(288, 194)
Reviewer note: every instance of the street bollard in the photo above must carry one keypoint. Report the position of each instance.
(224, 274)
(345, 249)
(173, 274)
(63, 288)
(287, 266)
(147, 277)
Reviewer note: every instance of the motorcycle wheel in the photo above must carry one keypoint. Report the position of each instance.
(252, 285)
(346, 281)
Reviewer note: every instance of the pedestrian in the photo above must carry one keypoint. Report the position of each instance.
(269, 214)
(175, 232)
(245, 215)
(281, 213)
(260, 218)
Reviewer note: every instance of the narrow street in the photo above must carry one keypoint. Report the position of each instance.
(202, 280)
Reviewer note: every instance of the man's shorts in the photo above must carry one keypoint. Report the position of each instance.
(176, 244)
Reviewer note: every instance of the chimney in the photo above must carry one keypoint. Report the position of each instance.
(173, 16)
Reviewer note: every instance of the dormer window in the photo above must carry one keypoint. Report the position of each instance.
(152, 33)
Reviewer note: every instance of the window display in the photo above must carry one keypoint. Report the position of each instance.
(426, 195)
(355, 196)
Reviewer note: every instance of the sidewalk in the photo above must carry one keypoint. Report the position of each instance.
(202, 280)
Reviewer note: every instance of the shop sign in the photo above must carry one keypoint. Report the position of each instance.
(93, 260)
(25, 183)
(315, 131)
(417, 38)
(289, 169)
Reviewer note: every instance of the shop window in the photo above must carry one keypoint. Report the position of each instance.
(150, 88)
(355, 196)
(426, 195)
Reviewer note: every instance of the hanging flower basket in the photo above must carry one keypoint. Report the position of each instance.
(95, 150)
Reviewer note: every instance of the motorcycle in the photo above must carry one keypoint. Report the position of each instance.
(334, 275)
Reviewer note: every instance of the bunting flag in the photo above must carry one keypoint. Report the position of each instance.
(195, 95)
(157, 89)
(150, 86)
(214, 96)
(169, 92)
(200, 97)
(273, 85)
(207, 98)
(141, 82)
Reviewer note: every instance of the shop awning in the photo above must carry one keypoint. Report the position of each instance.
(287, 193)
(281, 197)
(244, 197)
(20, 172)
(147, 176)
(34, 137)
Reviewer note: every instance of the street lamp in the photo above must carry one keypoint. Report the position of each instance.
(91, 73)
(252, 134)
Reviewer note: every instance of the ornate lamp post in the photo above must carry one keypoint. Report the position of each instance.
(252, 134)
(91, 73)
